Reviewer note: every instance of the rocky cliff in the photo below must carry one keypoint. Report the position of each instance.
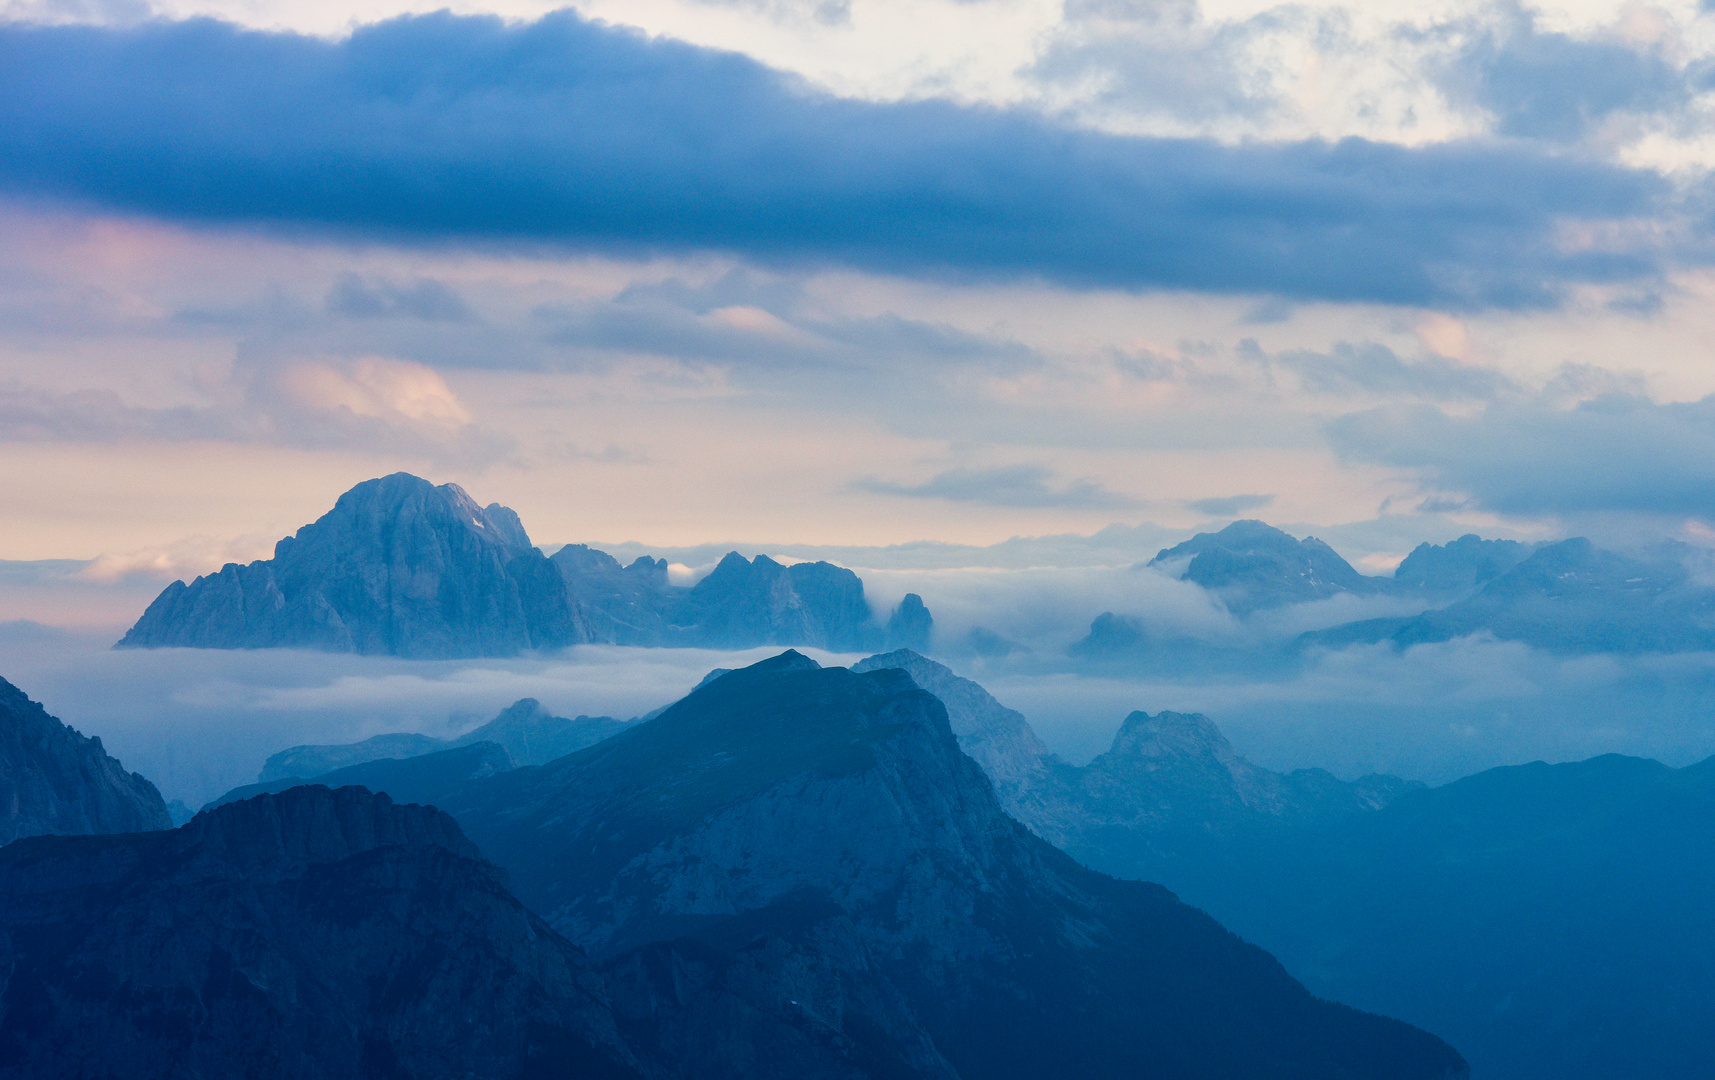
(55, 781)
(827, 819)
(316, 933)
(404, 568)
(397, 567)
(740, 604)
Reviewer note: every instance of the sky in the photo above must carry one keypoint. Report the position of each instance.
(854, 273)
(989, 297)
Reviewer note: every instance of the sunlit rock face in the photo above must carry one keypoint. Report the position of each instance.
(55, 781)
(313, 933)
(398, 567)
(827, 819)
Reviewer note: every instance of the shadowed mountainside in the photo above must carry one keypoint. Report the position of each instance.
(830, 814)
(55, 781)
(313, 933)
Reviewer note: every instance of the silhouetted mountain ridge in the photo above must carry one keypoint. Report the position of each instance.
(55, 781)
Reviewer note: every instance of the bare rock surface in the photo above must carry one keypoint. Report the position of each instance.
(398, 567)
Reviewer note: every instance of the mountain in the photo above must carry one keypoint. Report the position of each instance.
(1170, 793)
(1567, 597)
(421, 779)
(740, 604)
(1459, 568)
(524, 729)
(401, 567)
(55, 781)
(1552, 920)
(304, 762)
(1170, 788)
(533, 736)
(828, 818)
(1549, 920)
(398, 567)
(314, 933)
(910, 626)
(1033, 785)
(1251, 566)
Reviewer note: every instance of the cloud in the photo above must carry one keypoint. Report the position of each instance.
(764, 324)
(1010, 485)
(1377, 369)
(568, 132)
(1229, 505)
(371, 404)
(355, 297)
(1616, 452)
(1556, 87)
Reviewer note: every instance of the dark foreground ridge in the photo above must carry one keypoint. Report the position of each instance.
(786, 818)
(312, 933)
(55, 781)
(401, 567)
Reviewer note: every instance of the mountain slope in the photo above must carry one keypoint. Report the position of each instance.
(1553, 920)
(832, 811)
(55, 781)
(316, 933)
(1252, 565)
(398, 567)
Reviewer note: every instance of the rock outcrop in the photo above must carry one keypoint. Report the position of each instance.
(740, 604)
(55, 781)
(314, 933)
(398, 567)
(820, 828)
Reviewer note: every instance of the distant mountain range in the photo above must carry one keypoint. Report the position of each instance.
(1566, 597)
(401, 567)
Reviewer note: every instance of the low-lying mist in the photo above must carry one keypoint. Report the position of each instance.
(199, 722)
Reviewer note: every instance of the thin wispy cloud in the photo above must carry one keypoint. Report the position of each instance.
(1011, 485)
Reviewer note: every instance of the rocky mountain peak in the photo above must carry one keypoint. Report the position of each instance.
(1171, 736)
(398, 566)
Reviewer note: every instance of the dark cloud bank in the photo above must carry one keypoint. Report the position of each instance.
(565, 131)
